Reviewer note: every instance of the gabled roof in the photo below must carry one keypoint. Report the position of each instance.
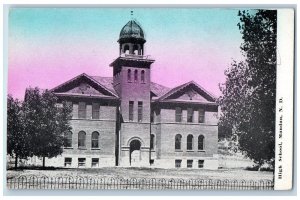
(158, 90)
(102, 83)
(206, 94)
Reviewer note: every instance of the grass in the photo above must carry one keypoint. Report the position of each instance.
(230, 174)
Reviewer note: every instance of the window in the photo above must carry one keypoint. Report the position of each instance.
(152, 141)
(131, 110)
(178, 142)
(81, 162)
(129, 75)
(177, 163)
(190, 114)
(135, 75)
(95, 140)
(152, 116)
(178, 114)
(200, 142)
(95, 162)
(81, 139)
(189, 164)
(95, 111)
(200, 163)
(143, 76)
(151, 161)
(201, 115)
(68, 162)
(81, 110)
(140, 111)
(68, 139)
(190, 140)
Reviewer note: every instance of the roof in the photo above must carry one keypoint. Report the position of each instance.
(107, 82)
(132, 30)
(156, 88)
(208, 95)
(161, 93)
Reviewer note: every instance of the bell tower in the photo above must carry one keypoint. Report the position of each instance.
(131, 80)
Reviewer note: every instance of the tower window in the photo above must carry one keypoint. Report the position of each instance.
(140, 111)
(81, 110)
(135, 75)
(95, 110)
(131, 103)
(178, 114)
(135, 50)
(143, 76)
(126, 49)
(201, 115)
(129, 75)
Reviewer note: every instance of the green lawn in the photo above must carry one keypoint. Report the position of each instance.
(230, 174)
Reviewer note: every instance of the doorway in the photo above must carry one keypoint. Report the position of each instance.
(135, 153)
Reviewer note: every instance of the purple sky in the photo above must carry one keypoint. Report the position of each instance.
(48, 46)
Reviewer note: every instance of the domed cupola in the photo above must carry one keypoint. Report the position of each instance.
(132, 30)
(132, 39)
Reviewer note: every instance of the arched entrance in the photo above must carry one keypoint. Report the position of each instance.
(135, 153)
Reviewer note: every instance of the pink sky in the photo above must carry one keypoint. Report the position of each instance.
(49, 47)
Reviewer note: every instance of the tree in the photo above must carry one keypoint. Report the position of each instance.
(248, 95)
(45, 122)
(17, 140)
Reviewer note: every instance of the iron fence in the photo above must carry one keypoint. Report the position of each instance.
(104, 183)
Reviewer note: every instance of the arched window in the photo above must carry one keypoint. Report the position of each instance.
(135, 75)
(68, 139)
(95, 140)
(200, 142)
(178, 142)
(135, 49)
(81, 139)
(152, 137)
(126, 49)
(143, 76)
(129, 75)
(190, 140)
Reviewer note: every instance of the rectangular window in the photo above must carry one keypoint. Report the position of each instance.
(201, 115)
(68, 162)
(81, 110)
(200, 163)
(95, 110)
(131, 103)
(178, 115)
(95, 162)
(190, 115)
(81, 162)
(178, 163)
(189, 164)
(140, 111)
